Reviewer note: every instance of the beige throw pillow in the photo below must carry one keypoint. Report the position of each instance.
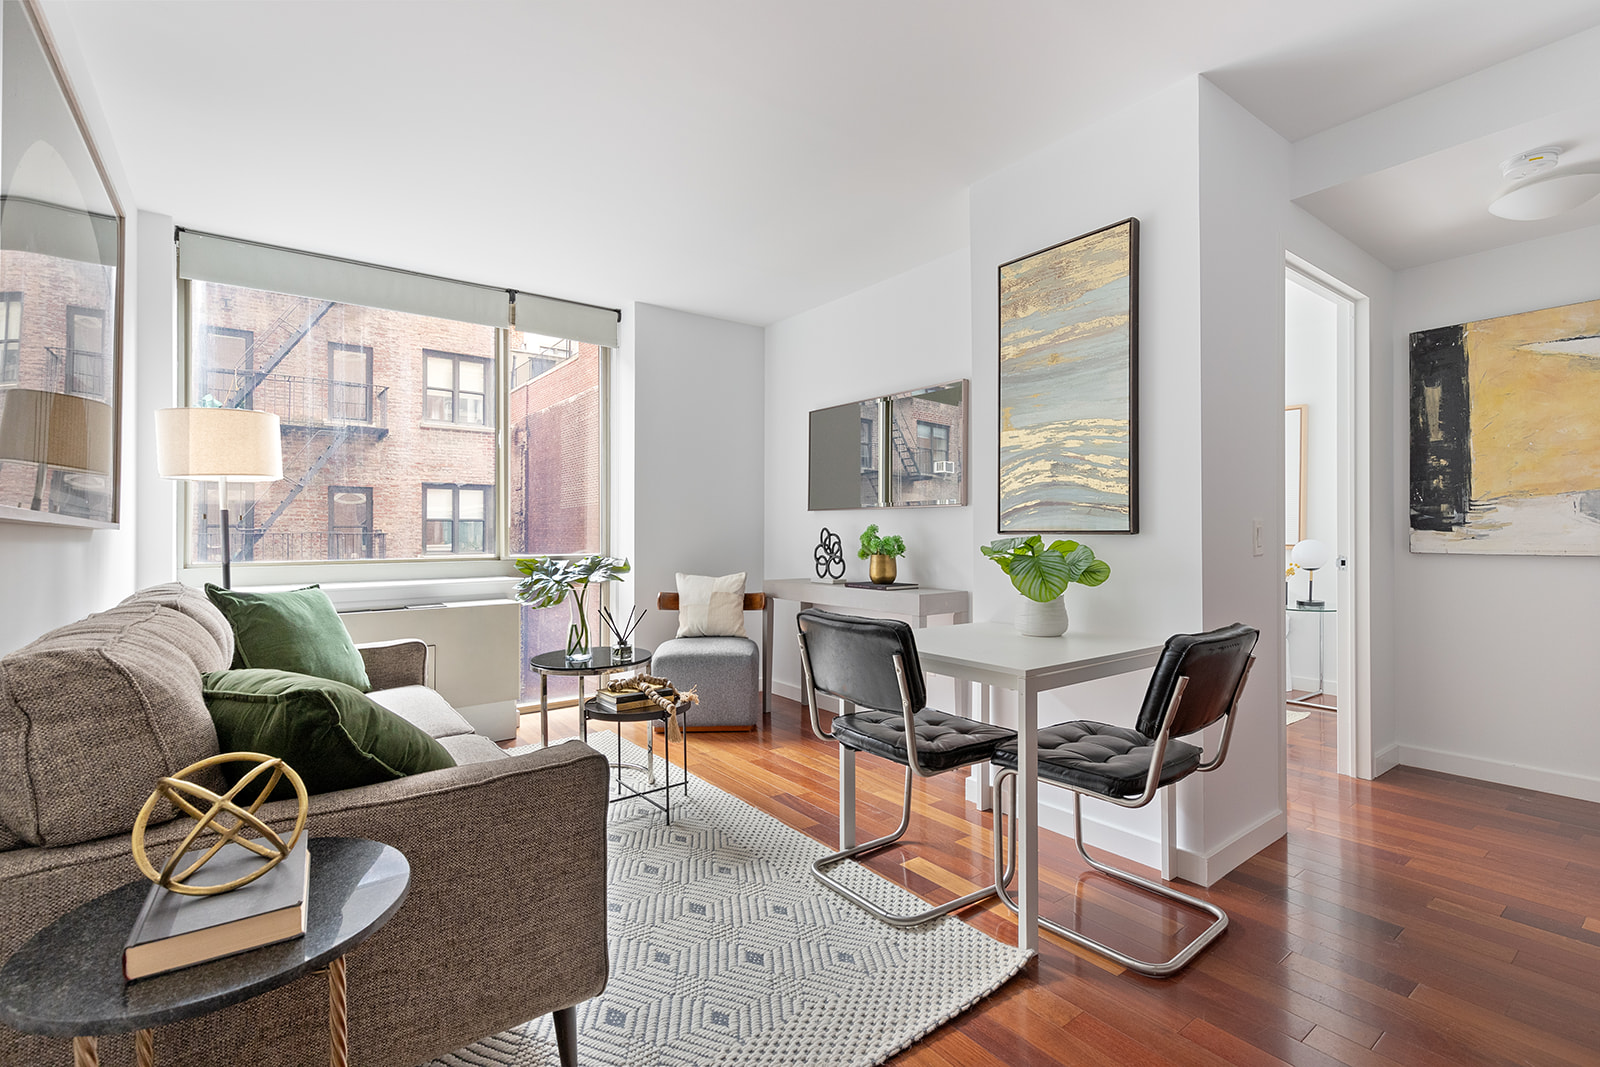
(711, 607)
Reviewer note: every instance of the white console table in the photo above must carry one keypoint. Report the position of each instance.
(916, 604)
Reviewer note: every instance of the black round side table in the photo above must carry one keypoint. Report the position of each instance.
(67, 979)
(604, 661)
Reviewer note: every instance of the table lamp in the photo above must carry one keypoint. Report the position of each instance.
(1310, 555)
(221, 444)
(70, 433)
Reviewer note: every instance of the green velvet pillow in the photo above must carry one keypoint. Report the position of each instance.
(334, 736)
(295, 631)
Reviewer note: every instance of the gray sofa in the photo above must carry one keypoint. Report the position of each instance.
(506, 916)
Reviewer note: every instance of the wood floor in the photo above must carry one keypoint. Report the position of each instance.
(1421, 919)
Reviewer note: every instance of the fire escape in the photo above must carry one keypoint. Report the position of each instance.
(906, 454)
(328, 413)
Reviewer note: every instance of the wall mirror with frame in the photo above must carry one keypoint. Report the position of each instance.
(902, 450)
(60, 297)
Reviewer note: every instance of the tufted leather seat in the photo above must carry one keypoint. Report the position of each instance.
(1112, 761)
(944, 742)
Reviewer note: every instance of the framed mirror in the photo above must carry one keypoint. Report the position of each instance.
(902, 450)
(60, 297)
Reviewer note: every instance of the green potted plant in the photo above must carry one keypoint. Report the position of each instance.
(880, 553)
(1041, 573)
(549, 580)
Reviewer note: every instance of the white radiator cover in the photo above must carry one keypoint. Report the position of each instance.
(474, 654)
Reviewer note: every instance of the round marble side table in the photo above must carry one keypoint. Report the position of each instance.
(67, 980)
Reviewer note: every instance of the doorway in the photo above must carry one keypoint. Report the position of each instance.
(1325, 353)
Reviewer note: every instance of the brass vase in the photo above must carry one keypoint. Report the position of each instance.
(881, 569)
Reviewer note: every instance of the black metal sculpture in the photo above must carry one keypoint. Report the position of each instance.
(829, 554)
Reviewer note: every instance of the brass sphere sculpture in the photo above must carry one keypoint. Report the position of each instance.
(271, 847)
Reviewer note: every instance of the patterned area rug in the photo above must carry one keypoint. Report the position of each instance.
(725, 952)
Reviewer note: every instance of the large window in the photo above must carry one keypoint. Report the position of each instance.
(389, 387)
(353, 467)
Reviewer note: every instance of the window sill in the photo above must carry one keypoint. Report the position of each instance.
(430, 424)
(391, 590)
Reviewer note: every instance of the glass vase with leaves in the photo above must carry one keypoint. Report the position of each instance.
(552, 579)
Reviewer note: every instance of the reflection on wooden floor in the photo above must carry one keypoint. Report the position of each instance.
(1420, 920)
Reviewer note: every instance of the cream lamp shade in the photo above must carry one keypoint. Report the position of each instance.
(207, 444)
(1310, 554)
(222, 445)
(55, 430)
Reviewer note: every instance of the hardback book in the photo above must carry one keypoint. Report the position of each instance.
(623, 701)
(175, 931)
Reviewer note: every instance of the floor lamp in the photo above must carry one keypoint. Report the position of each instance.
(221, 445)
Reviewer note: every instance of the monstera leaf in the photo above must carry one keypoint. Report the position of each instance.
(1042, 572)
(550, 577)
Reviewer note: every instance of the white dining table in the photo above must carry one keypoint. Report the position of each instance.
(995, 654)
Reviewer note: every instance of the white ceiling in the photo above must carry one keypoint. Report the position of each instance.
(745, 159)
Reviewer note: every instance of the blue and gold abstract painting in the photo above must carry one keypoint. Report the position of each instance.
(1068, 347)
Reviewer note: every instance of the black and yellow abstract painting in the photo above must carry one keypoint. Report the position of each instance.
(1505, 434)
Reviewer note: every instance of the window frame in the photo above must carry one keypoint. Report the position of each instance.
(73, 312)
(334, 415)
(10, 347)
(491, 535)
(489, 382)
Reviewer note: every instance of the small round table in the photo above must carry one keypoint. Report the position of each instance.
(603, 662)
(67, 979)
(593, 709)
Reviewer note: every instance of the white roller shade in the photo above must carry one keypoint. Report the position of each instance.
(62, 232)
(208, 258)
(562, 318)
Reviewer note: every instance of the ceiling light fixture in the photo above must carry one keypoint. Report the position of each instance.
(1547, 197)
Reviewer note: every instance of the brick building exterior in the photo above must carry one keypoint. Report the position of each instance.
(57, 329)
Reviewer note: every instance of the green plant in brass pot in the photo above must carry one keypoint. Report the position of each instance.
(880, 553)
(1041, 573)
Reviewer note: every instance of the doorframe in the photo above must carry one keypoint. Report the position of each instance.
(1353, 725)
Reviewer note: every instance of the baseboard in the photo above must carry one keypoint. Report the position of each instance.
(1542, 779)
(1387, 760)
(660, 729)
(1055, 815)
(1309, 685)
(788, 691)
(1209, 869)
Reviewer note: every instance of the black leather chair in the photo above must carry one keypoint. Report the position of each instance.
(872, 664)
(1196, 682)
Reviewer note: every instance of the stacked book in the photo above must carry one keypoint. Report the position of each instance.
(174, 930)
(624, 700)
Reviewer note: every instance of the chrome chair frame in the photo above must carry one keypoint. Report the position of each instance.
(914, 770)
(1005, 786)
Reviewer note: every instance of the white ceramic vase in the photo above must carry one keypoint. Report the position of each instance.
(1042, 620)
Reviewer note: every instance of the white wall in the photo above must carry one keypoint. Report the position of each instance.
(909, 331)
(51, 575)
(696, 420)
(1155, 583)
(1244, 183)
(1210, 403)
(1311, 378)
(1497, 669)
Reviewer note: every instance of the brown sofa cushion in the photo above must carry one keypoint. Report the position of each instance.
(91, 714)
